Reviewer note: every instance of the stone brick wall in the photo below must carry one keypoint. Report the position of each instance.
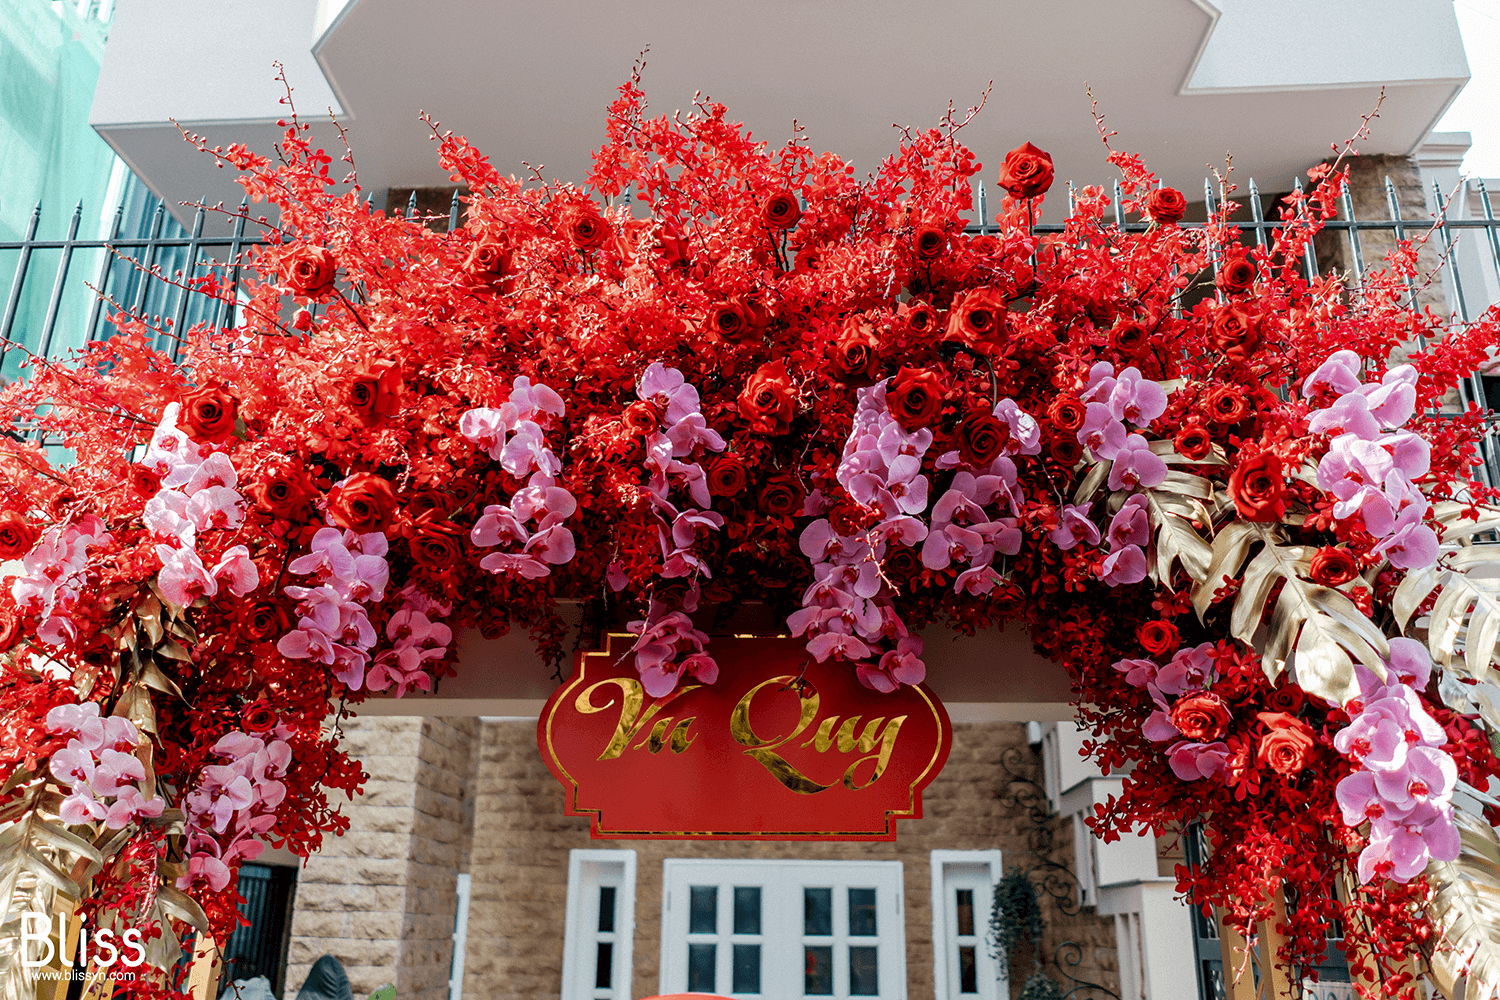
(381, 898)
(521, 841)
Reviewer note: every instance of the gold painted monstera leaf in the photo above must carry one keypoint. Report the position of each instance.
(1465, 914)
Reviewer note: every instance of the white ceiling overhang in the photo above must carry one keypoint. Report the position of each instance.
(1184, 82)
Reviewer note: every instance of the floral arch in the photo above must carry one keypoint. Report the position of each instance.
(1201, 481)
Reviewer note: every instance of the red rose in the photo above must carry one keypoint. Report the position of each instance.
(17, 535)
(729, 321)
(375, 392)
(769, 400)
(978, 321)
(902, 563)
(282, 491)
(1065, 451)
(309, 270)
(1027, 172)
(488, 263)
(1235, 332)
(1286, 743)
(980, 438)
(847, 518)
(10, 624)
(1226, 405)
(918, 316)
(853, 356)
(362, 503)
(1201, 717)
(1287, 698)
(915, 396)
(781, 496)
(209, 413)
(1128, 338)
(1193, 441)
(437, 544)
(781, 211)
(1158, 638)
(1166, 206)
(424, 504)
(582, 224)
(809, 259)
(269, 618)
(642, 418)
(984, 245)
(1258, 489)
(258, 717)
(929, 239)
(726, 476)
(143, 481)
(1067, 413)
(1333, 567)
(1236, 276)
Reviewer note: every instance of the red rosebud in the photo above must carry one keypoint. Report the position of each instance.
(780, 210)
(1258, 489)
(309, 271)
(1065, 450)
(1201, 717)
(1333, 567)
(582, 224)
(809, 259)
(917, 316)
(17, 535)
(1286, 744)
(1286, 697)
(929, 240)
(769, 401)
(144, 481)
(980, 439)
(209, 413)
(1067, 413)
(853, 356)
(10, 624)
(488, 263)
(781, 496)
(1128, 338)
(847, 518)
(1237, 275)
(1236, 333)
(726, 476)
(375, 392)
(1166, 206)
(258, 717)
(437, 544)
(642, 418)
(978, 321)
(915, 397)
(265, 619)
(281, 491)
(1027, 172)
(1193, 441)
(362, 503)
(1158, 638)
(1226, 405)
(302, 320)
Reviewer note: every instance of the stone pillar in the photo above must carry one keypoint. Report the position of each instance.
(381, 898)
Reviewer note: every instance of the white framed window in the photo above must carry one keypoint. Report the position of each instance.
(600, 925)
(963, 893)
(783, 928)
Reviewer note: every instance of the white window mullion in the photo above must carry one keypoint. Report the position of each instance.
(974, 873)
(597, 880)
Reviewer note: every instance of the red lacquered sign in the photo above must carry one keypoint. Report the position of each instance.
(778, 748)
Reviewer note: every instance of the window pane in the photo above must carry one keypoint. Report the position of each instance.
(968, 977)
(817, 979)
(604, 966)
(703, 909)
(817, 911)
(746, 910)
(862, 912)
(746, 968)
(701, 968)
(863, 981)
(966, 912)
(607, 908)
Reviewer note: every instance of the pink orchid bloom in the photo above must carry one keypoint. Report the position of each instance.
(1188, 670)
(1191, 761)
(1102, 433)
(1123, 566)
(1412, 544)
(819, 542)
(692, 431)
(535, 399)
(1138, 673)
(1131, 525)
(900, 448)
(166, 516)
(115, 769)
(681, 397)
(861, 579)
(554, 546)
(497, 526)
(74, 764)
(215, 470)
(487, 428)
(1340, 374)
(131, 805)
(1074, 527)
(239, 570)
(1410, 662)
(216, 507)
(542, 500)
(1394, 400)
(838, 645)
(1350, 414)
(320, 607)
(949, 544)
(208, 868)
(977, 580)
(349, 666)
(220, 794)
(328, 558)
(82, 807)
(1136, 399)
(71, 718)
(183, 577)
(701, 667)
(1100, 383)
(903, 530)
(527, 450)
(1025, 433)
(56, 630)
(1428, 776)
(507, 562)
(1360, 801)
(1136, 465)
(1159, 728)
(307, 642)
